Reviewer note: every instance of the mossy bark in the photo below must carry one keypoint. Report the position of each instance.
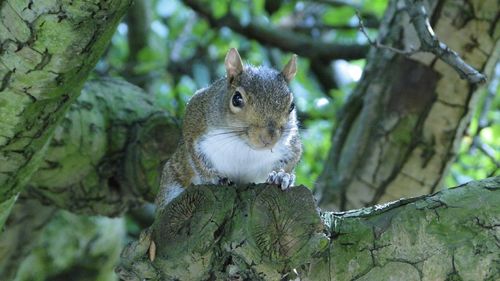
(105, 156)
(261, 233)
(55, 44)
(399, 131)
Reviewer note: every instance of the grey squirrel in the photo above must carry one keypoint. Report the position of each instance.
(240, 129)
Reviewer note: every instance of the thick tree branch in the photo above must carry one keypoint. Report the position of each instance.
(105, 154)
(57, 45)
(262, 233)
(283, 39)
(139, 23)
(430, 43)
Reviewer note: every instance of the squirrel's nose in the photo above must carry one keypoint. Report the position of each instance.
(265, 139)
(268, 138)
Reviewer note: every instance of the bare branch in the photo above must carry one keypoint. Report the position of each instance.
(340, 3)
(430, 43)
(483, 114)
(488, 151)
(377, 43)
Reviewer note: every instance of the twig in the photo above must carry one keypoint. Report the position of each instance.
(339, 3)
(377, 44)
(488, 151)
(485, 108)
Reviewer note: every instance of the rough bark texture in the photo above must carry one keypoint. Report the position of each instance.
(261, 233)
(106, 154)
(399, 130)
(55, 44)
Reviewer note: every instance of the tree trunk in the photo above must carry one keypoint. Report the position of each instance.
(57, 45)
(261, 233)
(400, 129)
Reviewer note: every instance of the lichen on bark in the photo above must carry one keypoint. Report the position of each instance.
(57, 45)
(261, 233)
(105, 155)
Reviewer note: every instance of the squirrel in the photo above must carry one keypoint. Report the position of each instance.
(240, 129)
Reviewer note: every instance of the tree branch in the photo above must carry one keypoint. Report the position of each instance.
(286, 40)
(430, 43)
(57, 45)
(377, 44)
(138, 22)
(262, 233)
(105, 154)
(483, 114)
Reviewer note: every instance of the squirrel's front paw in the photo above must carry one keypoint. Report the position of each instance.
(281, 178)
(225, 181)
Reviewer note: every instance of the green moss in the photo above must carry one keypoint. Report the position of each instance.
(402, 134)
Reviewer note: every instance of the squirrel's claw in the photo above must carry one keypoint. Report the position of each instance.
(225, 181)
(281, 178)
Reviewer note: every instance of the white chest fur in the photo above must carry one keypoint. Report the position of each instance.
(233, 158)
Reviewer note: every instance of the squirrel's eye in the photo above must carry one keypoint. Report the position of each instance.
(237, 99)
(292, 107)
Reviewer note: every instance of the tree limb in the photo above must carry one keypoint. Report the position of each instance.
(57, 45)
(430, 43)
(286, 40)
(105, 154)
(261, 233)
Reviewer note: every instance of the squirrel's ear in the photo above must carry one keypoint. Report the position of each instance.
(290, 69)
(233, 63)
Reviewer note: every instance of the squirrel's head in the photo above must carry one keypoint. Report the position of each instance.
(259, 102)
